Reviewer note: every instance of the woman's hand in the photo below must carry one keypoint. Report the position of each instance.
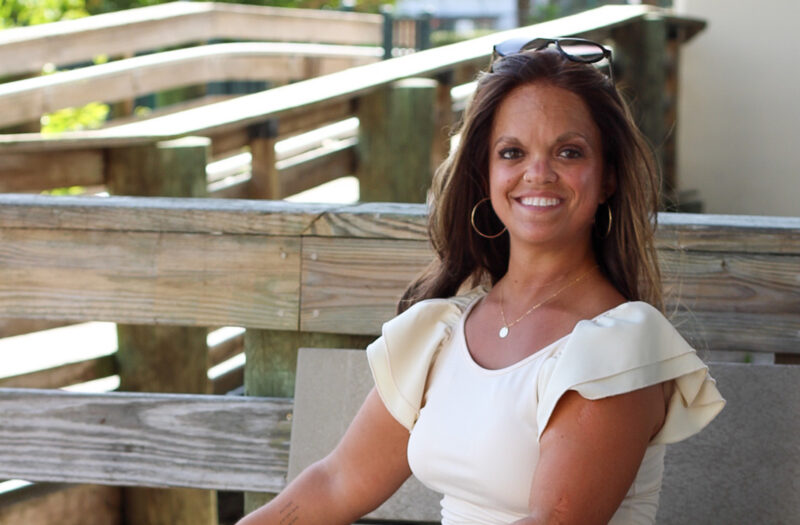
(364, 470)
(589, 455)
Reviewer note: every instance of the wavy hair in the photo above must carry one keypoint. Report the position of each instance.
(626, 256)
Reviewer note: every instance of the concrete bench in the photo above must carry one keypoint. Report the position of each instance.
(743, 468)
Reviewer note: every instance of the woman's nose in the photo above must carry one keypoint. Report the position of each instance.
(539, 171)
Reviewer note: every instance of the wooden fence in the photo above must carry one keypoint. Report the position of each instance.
(292, 275)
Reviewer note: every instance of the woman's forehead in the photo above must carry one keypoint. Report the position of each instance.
(544, 107)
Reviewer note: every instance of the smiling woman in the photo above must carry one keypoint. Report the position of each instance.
(530, 377)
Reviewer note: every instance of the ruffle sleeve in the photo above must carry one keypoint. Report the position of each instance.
(401, 358)
(631, 347)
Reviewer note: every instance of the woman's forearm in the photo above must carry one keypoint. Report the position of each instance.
(309, 499)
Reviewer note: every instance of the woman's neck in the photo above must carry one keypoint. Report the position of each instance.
(532, 271)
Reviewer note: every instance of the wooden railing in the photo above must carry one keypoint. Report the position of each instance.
(292, 275)
(316, 268)
(259, 120)
(125, 33)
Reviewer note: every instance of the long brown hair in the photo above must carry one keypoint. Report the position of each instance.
(626, 255)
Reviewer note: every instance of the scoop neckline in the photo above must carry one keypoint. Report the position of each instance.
(525, 360)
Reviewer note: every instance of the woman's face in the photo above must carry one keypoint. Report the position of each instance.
(545, 166)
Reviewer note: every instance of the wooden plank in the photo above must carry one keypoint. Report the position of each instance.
(677, 231)
(225, 350)
(316, 167)
(385, 220)
(740, 331)
(156, 27)
(157, 214)
(64, 375)
(28, 99)
(342, 86)
(314, 117)
(729, 233)
(150, 278)
(145, 440)
(732, 282)
(23, 172)
(63, 504)
(353, 285)
(12, 327)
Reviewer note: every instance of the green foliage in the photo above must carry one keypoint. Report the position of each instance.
(72, 190)
(89, 116)
(15, 13)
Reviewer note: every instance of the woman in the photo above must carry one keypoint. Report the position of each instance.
(549, 398)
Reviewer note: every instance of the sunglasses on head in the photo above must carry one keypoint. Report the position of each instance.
(574, 49)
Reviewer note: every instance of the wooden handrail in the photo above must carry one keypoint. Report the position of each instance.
(342, 86)
(125, 33)
(27, 100)
(340, 269)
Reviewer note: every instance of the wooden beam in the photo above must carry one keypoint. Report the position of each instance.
(28, 49)
(64, 375)
(28, 99)
(44, 504)
(145, 440)
(22, 172)
(316, 167)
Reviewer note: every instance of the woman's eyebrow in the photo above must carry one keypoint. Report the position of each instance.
(571, 135)
(505, 138)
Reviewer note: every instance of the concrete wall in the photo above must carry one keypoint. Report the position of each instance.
(739, 114)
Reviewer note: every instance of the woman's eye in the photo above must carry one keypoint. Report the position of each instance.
(570, 153)
(510, 153)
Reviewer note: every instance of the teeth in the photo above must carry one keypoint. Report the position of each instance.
(538, 201)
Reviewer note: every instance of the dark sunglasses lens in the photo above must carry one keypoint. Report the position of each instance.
(582, 51)
(509, 47)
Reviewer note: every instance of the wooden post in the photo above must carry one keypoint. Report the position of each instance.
(271, 364)
(163, 358)
(443, 121)
(264, 182)
(396, 132)
(642, 52)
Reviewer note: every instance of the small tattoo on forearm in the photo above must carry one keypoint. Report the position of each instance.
(289, 514)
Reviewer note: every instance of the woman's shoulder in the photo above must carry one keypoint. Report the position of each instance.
(401, 357)
(629, 347)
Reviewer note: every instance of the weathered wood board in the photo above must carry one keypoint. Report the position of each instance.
(150, 278)
(732, 282)
(150, 440)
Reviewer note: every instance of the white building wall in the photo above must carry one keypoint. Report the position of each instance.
(739, 112)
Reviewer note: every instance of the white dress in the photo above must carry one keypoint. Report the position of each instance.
(475, 431)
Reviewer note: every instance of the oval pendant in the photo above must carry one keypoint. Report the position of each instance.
(503, 332)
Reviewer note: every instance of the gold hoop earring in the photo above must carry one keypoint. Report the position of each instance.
(472, 221)
(610, 221)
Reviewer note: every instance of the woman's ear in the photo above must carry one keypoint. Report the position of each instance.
(609, 183)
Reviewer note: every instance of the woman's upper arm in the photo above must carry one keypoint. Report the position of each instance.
(370, 462)
(590, 452)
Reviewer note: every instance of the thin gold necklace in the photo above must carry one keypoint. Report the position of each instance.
(503, 333)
